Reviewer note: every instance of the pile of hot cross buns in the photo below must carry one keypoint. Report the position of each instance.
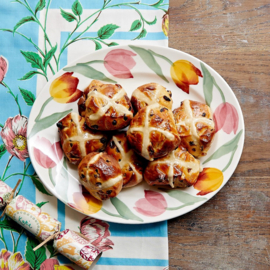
(117, 142)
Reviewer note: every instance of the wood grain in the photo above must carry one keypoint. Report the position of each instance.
(232, 230)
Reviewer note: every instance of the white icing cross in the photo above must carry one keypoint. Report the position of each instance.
(191, 121)
(146, 132)
(109, 183)
(81, 136)
(111, 102)
(143, 97)
(171, 160)
(126, 157)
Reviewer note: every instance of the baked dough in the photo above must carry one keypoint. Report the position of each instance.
(107, 106)
(101, 175)
(152, 132)
(131, 164)
(151, 93)
(77, 140)
(178, 169)
(195, 125)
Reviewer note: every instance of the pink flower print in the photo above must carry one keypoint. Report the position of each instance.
(12, 261)
(46, 154)
(89, 253)
(97, 231)
(24, 204)
(154, 204)
(3, 67)
(53, 264)
(14, 136)
(119, 62)
(226, 118)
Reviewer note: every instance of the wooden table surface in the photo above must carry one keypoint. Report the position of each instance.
(232, 230)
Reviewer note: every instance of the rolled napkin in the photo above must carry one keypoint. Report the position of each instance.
(5, 192)
(76, 248)
(30, 217)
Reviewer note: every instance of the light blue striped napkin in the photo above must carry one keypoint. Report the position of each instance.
(36, 26)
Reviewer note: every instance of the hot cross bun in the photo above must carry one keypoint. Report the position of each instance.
(195, 125)
(131, 164)
(151, 93)
(77, 139)
(106, 106)
(101, 175)
(152, 132)
(178, 169)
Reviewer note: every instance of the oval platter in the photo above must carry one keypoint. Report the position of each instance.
(131, 66)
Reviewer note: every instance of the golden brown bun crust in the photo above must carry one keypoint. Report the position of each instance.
(151, 93)
(101, 175)
(195, 125)
(77, 140)
(178, 169)
(152, 132)
(105, 106)
(131, 164)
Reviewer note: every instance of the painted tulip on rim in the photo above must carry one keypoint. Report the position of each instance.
(184, 74)
(64, 88)
(226, 118)
(209, 180)
(14, 136)
(154, 204)
(119, 62)
(165, 24)
(46, 154)
(97, 231)
(3, 67)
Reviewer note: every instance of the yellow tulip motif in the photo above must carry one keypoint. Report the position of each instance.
(184, 74)
(209, 180)
(64, 88)
(165, 24)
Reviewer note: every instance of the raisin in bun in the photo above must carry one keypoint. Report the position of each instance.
(195, 125)
(77, 139)
(131, 164)
(101, 175)
(107, 106)
(151, 93)
(152, 132)
(178, 169)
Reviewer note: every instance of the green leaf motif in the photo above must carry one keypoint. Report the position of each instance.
(136, 25)
(113, 44)
(29, 75)
(184, 197)
(123, 210)
(47, 122)
(68, 16)
(152, 22)
(149, 60)
(40, 5)
(142, 34)
(208, 84)
(98, 45)
(226, 148)
(35, 258)
(51, 249)
(157, 4)
(3, 150)
(49, 56)
(89, 72)
(61, 186)
(28, 97)
(39, 185)
(77, 8)
(40, 204)
(9, 224)
(34, 59)
(23, 21)
(107, 31)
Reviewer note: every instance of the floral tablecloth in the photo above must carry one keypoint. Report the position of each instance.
(37, 38)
